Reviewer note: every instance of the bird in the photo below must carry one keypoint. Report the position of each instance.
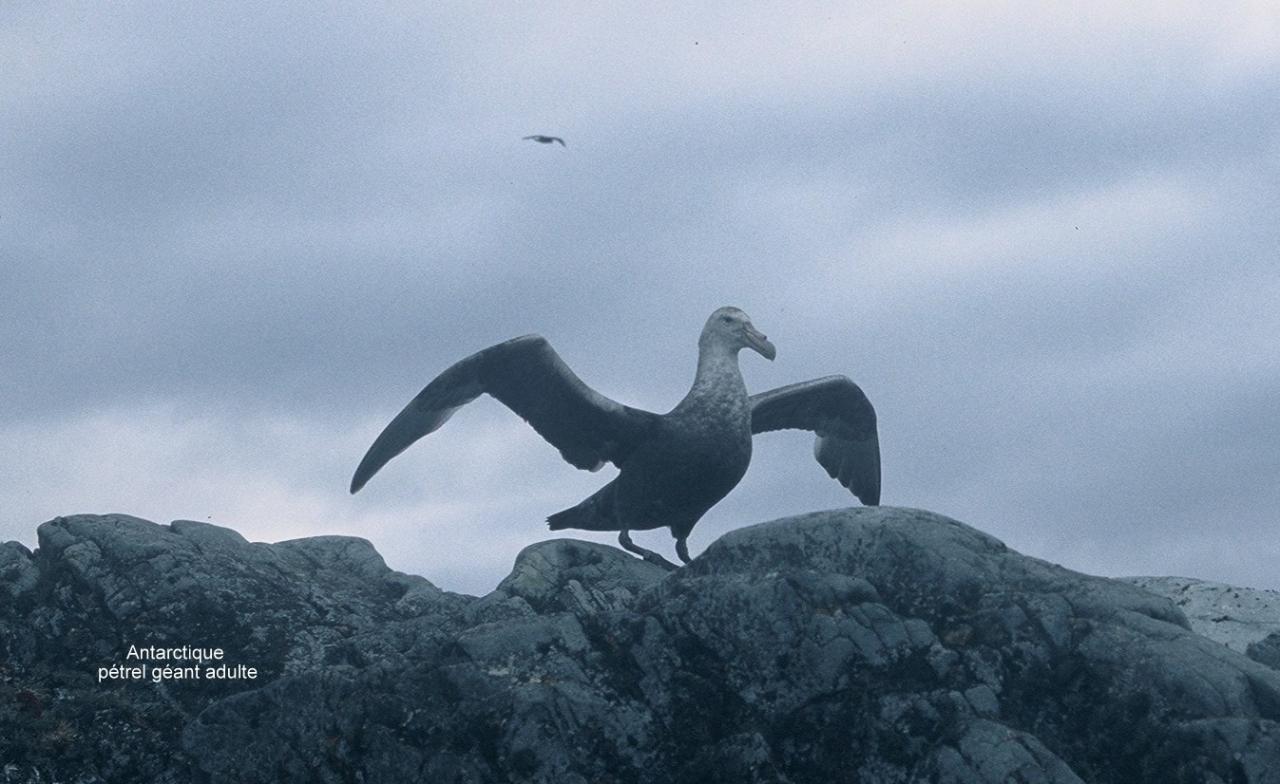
(673, 467)
(539, 138)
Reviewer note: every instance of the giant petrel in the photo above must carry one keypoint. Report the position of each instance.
(673, 467)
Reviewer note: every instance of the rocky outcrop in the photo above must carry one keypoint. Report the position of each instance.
(1266, 650)
(876, 645)
(1243, 619)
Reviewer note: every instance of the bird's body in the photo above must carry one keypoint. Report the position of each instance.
(672, 467)
(540, 139)
(694, 456)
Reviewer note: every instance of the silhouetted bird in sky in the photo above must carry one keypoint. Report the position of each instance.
(540, 139)
(674, 466)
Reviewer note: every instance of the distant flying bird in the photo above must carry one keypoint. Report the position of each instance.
(547, 139)
(674, 466)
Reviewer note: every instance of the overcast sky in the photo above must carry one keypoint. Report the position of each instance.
(1043, 238)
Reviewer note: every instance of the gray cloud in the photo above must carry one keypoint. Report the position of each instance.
(237, 241)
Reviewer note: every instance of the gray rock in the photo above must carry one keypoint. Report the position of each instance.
(1236, 617)
(990, 753)
(18, 574)
(880, 645)
(1266, 650)
(568, 575)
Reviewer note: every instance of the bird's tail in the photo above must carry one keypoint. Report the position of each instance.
(596, 513)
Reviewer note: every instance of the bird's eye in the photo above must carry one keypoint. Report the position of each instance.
(727, 319)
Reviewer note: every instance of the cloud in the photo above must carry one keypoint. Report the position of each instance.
(237, 242)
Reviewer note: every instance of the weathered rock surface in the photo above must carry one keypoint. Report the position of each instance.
(1243, 619)
(1266, 650)
(875, 645)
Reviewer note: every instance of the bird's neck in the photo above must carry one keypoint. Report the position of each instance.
(718, 375)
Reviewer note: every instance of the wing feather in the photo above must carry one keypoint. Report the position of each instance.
(844, 420)
(528, 376)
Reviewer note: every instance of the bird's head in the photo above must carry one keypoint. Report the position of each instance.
(730, 327)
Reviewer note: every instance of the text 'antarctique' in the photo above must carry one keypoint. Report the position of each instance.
(673, 466)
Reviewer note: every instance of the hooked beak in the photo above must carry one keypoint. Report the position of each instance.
(757, 341)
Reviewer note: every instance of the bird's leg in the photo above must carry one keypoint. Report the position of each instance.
(682, 549)
(624, 539)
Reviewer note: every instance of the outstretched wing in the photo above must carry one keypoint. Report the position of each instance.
(528, 376)
(837, 410)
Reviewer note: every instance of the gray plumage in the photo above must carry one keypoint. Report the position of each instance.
(673, 467)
